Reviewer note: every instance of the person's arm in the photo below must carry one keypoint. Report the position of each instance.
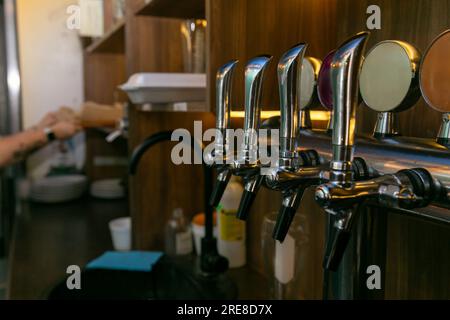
(17, 147)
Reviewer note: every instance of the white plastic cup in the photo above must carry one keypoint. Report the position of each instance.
(121, 233)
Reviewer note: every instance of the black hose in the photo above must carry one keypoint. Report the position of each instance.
(156, 138)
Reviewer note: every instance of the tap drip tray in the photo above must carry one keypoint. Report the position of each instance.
(171, 278)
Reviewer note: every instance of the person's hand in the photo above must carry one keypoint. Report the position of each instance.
(48, 120)
(65, 129)
(67, 114)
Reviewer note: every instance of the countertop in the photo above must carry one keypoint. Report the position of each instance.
(49, 238)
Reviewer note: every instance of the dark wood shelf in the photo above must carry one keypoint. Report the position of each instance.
(186, 9)
(112, 42)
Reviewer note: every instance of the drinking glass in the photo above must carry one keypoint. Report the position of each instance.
(194, 45)
(285, 262)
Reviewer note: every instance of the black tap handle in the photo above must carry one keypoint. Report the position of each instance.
(310, 158)
(219, 189)
(252, 185)
(248, 197)
(284, 220)
(336, 250)
(287, 214)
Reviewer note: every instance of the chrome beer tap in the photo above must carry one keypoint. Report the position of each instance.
(244, 162)
(292, 174)
(224, 80)
(248, 164)
(412, 188)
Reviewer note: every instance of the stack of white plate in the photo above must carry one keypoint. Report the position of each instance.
(58, 189)
(108, 189)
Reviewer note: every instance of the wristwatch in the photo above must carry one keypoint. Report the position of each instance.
(50, 134)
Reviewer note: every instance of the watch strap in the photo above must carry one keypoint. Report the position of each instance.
(50, 134)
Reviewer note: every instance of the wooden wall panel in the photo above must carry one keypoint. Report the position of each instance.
(241, 29)
(152, 44)
(418, 260)
(103, 73)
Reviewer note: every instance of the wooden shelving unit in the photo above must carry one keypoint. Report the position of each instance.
(112, 42)
(186, 9)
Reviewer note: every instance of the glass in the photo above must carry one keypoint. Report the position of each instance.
(118, 10)
(284, 262)
(194, 45)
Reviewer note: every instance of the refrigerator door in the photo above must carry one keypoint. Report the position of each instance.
(10, 114)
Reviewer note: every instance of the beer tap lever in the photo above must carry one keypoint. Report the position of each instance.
(412, 188)
(224, 81)
(248, 163)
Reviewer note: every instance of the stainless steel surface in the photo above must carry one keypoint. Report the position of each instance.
(391, 190)
(12, 67)
(386, 125)
(389, 155)
(289, 72)
(224, 82)
(305, 120)
(444, 132)
(345, 70)
(330, 123)
(254, 76)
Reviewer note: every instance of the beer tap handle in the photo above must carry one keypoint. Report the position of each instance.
(224, 80)
(289, 74)
(254, 76)
(345, 71)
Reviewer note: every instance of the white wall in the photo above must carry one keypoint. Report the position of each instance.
(51, 68)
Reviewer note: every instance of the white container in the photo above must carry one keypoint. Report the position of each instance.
(166, 87)
(232, 237)
(121, 233)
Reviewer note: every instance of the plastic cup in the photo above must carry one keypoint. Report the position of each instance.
(121, 233)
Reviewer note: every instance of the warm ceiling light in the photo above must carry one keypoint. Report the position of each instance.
(316, 115)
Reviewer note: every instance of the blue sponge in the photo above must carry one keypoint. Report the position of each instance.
(126, 261)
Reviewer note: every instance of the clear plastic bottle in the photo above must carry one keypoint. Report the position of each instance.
(178, 235)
